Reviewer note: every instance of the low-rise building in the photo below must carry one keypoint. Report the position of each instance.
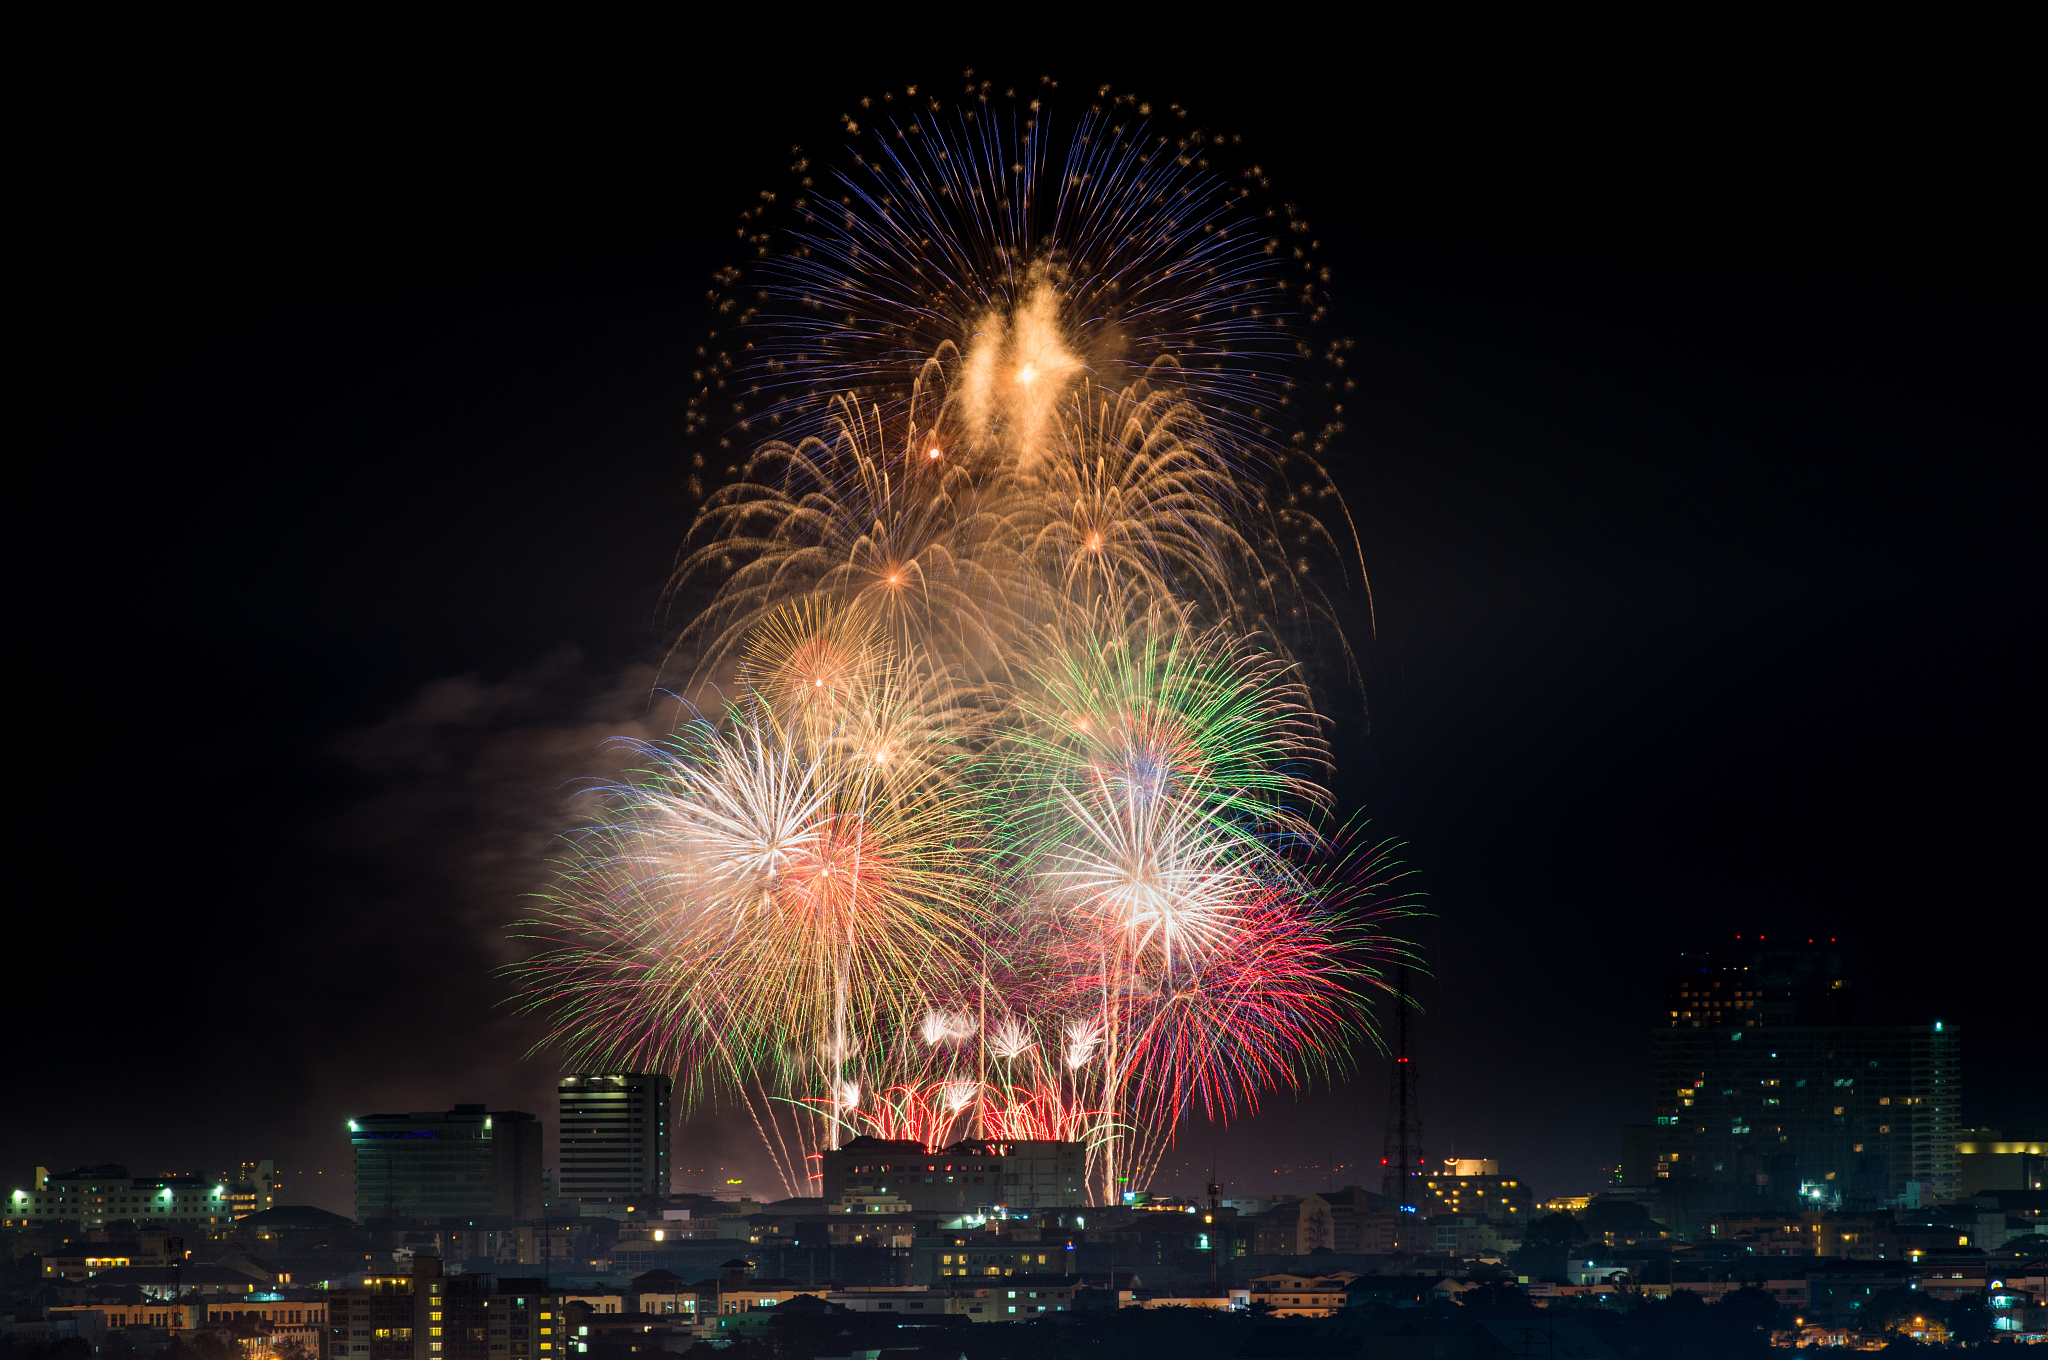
(425, 1315)
(619, 1335)
(957, 1258)
(738, 1290)
(83, 1260)
(33, 1330)
(1221, 1301)
(173, 1319)
(973, 1176)
(95, 1197)
(255, 1189)
(1295, 1228)
(1018, 1299)
(181, 1281)
(272, 1312)
(1303, 1295)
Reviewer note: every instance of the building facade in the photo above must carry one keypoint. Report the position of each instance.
(1309, 1296)
(1749, 986)
(1764, 1088)
(1470, 1185)
(972, 1176)
(92, 1197)
(1994, 1159)
(256, 1188)
(615, 1140)
(429, 1316)
(427, 1166)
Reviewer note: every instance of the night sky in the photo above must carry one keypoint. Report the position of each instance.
(1696, 455)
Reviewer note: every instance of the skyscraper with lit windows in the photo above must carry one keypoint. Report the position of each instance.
(1763, 1088)
(468, 1162)
(615, 1144)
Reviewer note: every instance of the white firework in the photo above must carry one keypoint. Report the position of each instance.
(1083, 1038)
(1010, 1038)
(946, 1027)
(1160, 873)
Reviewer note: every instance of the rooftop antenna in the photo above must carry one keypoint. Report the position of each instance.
(1401, 1150)
(1215, 1193)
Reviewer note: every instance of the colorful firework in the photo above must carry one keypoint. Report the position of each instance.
(1013, 821)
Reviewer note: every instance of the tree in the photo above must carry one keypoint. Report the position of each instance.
(295, 1348)
(1892, 1308)
(1556, 1232)
(1498, 1298)
(1969, 1319)
(1747, 1308)
(1545, 1245)
(1626, 1222)
(208, 1343)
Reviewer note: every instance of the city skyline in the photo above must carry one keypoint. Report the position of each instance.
(1645, 526)
(1786, 1010)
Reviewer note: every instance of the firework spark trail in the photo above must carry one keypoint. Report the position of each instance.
(1013, 820)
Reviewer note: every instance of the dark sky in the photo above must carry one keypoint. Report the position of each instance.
(1697, 459)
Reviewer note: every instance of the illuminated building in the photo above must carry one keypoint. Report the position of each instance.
(615, 1143)
(1995, 1160)
(1748, 986)
(79, 1261)
(1310, 1296)
(94, 1196)
(461, 1163)
(1834, 1115)
(1764, 1088)
(973, 1176)
(427, 1316)
(256, 1188)
(1469, 1185)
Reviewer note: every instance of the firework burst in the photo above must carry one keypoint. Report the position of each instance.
(1011, 821)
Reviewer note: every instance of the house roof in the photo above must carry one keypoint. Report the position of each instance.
(187, 1276)
(649, 1281)
(295, 1216)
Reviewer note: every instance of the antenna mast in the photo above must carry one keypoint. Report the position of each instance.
(1401, 1150)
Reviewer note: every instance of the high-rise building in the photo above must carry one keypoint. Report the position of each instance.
(1763, 1088)
(467, 1162)
(614, 1136)
(1755, 985)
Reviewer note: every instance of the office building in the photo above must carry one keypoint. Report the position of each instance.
(426, 1315)
(256, 1188)
(1763, 1089)
(615, 1145)
(1755, 985)
(1994, 1159)
(1472, 1186)
(92, 1197)
(973, 1176)
(467, 1162)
